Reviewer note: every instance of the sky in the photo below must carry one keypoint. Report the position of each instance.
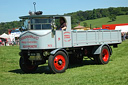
(11, 10)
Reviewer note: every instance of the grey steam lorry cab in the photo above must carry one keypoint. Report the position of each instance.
(44, 40)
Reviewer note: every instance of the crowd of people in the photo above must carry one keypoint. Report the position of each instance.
(5, 42)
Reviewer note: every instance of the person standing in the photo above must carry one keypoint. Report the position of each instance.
(124, 37)
(0, 42)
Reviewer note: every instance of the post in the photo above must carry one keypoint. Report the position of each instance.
(90, 26)
(34, 3)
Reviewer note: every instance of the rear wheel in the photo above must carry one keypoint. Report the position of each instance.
(103, 57)
(27, 66)
(58, 63)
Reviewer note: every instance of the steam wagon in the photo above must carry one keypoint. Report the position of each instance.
(43, 40)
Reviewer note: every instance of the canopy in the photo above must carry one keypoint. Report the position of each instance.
(79, 27)
(4, 35)
(40, 16)
(123, 28)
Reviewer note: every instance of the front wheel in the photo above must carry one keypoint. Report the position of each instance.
(58, 63)
(26, 65)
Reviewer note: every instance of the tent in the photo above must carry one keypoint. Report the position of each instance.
(5, 36)
(79, 28)
(12, 37)
(123, 28)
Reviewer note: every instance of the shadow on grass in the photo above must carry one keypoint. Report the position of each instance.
(40, 70)
(46, 70)
(110, 21)
(84, 63)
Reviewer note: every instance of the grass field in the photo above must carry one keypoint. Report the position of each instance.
(87, 73)
(102, 21)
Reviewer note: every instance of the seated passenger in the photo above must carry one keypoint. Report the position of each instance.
(63, 25)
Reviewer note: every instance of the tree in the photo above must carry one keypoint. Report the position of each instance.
(112, 17)
(9, 25)
(85, 24)
(104, 12)
(94, 14)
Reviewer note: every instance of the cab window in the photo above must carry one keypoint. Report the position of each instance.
(40, 24)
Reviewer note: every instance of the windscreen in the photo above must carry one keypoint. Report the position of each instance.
(26, 24)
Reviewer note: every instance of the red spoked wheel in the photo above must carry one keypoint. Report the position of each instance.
(58, 63)
(105, 55)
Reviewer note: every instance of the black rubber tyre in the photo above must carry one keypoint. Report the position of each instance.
(103, 57)
(26, 66)
(58, 63)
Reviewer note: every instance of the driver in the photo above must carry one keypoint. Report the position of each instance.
(63, 25)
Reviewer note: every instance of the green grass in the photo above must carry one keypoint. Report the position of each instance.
(113, 73)
(102, 21)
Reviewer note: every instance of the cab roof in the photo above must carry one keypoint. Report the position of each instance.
(41, 16)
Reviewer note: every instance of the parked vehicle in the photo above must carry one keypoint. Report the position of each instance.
(43, 40)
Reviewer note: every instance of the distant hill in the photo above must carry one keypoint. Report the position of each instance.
(80, 16)
(101, 21)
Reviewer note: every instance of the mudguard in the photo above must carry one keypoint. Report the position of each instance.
(97, 49)
(59, 49)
